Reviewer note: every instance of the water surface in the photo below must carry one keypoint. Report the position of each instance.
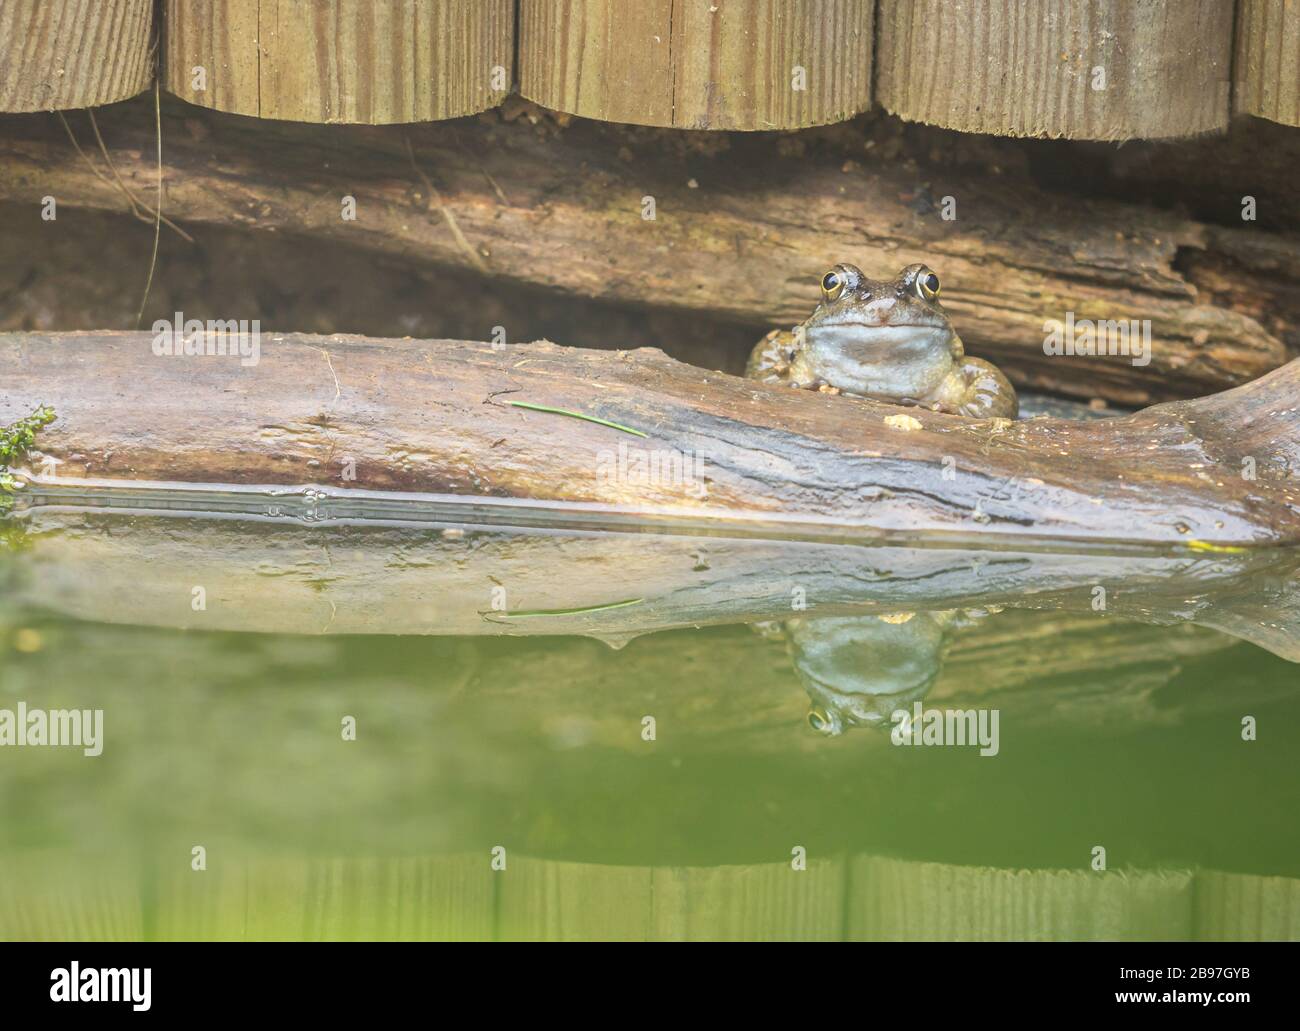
(500, 679)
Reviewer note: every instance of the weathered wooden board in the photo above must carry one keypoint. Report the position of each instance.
(60, 54)
(756, 64)
(1240, 907)
(1082, 69)
(740, 247)
(546, 900)
(902, 900)
(53, 895)
(46, 896)
(759, 902)
(49, 896)
(340, 60)
(890, 899)
(1267, 69)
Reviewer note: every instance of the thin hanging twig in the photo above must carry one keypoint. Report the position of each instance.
(157, 225)
(133, 202)
(125, 189)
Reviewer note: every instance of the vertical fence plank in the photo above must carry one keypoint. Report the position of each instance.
(696, 64)
(1267, 75)
(1082, 69)
(598, 59)
(210, 54)
(340, 60)
(763, 902)
(440, 898)
(60, 897)
(546, 900)
(61, 54)
(1240, 907)
(54, 896)
(903, 900)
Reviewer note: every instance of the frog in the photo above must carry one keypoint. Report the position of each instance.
(890, 340)
(861, 670)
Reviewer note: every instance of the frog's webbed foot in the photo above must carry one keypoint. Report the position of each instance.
(769, 629)
(770, 359)
(982, 392)
(775, 359)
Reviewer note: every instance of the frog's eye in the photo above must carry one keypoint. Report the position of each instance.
(832, 285)
(927, 286)
(818, 720)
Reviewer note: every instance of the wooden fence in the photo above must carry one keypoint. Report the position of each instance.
(50, 897)
(1088, 69)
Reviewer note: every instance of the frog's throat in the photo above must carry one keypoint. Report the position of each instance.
(884, 362)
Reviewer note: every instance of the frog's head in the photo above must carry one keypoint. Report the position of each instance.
(858, 670)
(883, 337)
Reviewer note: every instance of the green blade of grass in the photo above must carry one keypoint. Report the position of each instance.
(577, 415)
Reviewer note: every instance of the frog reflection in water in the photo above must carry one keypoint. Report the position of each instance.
(859, 670)
(889, 340)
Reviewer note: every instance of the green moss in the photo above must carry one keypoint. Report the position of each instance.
(15, 440)
(13, 536)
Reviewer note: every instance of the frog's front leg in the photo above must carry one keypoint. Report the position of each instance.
(773, 359)
(977, 389)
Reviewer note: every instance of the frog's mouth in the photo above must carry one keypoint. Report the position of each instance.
(845, 709)
(887, 328)
(857, 345)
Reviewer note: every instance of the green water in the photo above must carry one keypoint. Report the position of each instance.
(504, 783)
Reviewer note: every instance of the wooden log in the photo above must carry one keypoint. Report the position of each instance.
(739, 248)
(1225, 180)
(340, 60)
(440, 418)
(724, 65)
(1267, 70)
(1089, 670)
(323, 579)
(1097, 69)
(1101, 673)
(336, 575)
(61, 54)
